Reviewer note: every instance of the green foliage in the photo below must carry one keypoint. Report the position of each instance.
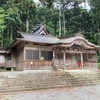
(98, 57)
(20, 15)
(98, 65)
(47, 3)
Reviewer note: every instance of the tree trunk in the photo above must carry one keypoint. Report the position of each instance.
(11, 35)
(60, 21)
(27, 22)
(27, 25)
(98, 32)
(2, 39)
(64, 20)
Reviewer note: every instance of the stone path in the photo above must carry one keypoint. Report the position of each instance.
(76, 93)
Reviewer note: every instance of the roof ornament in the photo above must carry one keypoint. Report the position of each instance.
(79, 34)
(34, 28)
(37, 26)
(39, 29)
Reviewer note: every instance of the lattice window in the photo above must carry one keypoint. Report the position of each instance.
(85, 57)
(29, 54)
(92, 57)
(43, 55)
(35, 55)
(9, 56)
(46, 55)
(50, 55)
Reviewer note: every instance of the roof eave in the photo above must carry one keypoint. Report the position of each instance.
(97, 47)
(19, 39)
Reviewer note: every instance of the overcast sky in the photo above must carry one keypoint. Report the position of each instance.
(36, 1)
(84, 5)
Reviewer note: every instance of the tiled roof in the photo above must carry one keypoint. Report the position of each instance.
(49, 39)
(75, 38)
(38, 38)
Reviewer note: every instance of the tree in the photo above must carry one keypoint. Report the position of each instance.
(47, 3)
(25, 10)
(17, 16)
(2, 26)
(60, 17)
(95, 9)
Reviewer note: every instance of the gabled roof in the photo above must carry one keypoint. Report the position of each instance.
(39, 30)
(40, 35)
(49, 39)
(76, 40)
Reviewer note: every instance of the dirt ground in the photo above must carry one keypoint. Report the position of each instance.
(75, 93)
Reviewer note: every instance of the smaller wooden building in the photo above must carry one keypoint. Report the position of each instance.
(2, 57)
(41, 50)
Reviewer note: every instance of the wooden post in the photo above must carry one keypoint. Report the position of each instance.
(53, 54)
(81, 60)
(12, 62)
(24, 56)
(64, 59)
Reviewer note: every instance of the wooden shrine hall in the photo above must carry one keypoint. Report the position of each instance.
(40, 50)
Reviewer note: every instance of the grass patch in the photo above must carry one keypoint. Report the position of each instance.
(98, 65)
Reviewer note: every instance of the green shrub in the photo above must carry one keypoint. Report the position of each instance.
(98, 65)
(99, 58)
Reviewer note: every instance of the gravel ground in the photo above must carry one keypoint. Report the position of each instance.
(76, 93)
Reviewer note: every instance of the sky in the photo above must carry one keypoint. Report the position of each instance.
(87, 6)
(84, 5)
(36, 1)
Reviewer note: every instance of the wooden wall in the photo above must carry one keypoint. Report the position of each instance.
(20, 56)
(21, 63)
(24, 64)
(37, 65)
(92, 62)
(17, 56)
(89, 59)
(12, 61)
(2, 60)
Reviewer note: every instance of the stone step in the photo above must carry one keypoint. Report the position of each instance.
(24, 88)
(44, 83)
(27, 87)
(30, 81)
(22, 81)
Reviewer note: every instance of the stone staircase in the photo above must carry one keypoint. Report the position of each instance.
(84, 79)
(21, 81)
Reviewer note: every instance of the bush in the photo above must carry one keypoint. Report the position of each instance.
(98, 65)
(98, 58)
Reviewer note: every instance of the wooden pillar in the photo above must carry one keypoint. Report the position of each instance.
(12, 57)
(81, 60)
(64, 60)
(53, 54)
(24, 57)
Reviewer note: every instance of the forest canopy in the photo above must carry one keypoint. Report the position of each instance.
(60, 17)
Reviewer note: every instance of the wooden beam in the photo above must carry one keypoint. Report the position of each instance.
(64, 59)
(81, 60)
(53, 54)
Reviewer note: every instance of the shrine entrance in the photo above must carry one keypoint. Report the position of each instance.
(73, 61)
(68, 60)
